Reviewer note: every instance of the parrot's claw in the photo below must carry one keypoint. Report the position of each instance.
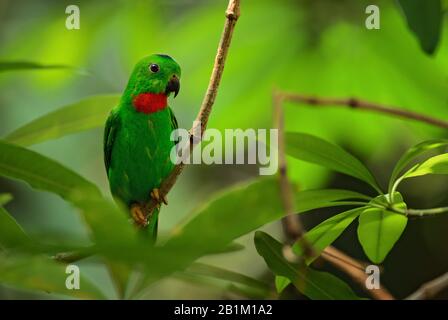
(138, 215)
(155, 194)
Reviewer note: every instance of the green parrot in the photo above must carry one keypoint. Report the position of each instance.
(137, 142)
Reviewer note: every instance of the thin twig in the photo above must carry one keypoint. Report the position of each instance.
(430, 289)
(425, 212)
(232, 15)
(292, 226)
(362, 105)
(73, 256)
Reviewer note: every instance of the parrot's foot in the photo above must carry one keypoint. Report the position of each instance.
(138, 215)
(155, 194)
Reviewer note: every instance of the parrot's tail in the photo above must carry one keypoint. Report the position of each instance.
(153, 223)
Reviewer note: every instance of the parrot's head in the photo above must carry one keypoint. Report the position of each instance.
(152, 81)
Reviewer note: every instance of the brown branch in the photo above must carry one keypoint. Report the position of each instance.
(361, 105)
(232, 15)
(355, 270)
(292, 226)
(430, 289)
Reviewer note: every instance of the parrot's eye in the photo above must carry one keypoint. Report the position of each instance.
(154, 68)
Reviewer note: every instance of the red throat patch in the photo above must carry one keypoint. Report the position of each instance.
(150, 102)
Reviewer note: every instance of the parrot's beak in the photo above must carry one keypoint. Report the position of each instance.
(173, 86)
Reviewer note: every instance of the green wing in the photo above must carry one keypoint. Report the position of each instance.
(174, 124)
(110, 132)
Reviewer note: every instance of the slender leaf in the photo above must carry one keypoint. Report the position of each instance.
(315, 285)
(28, 65)
(86, 114)
(43, 274)
(413, 153)
(315, 150)
(229, 216)
(41, 172)
(11, 233)
(120, 274)
(223, 274)
(327, 232)
(243, 209)
(314, 199)
(425, 21)
(231, 247)
(221, 286)
(112, 232)
(379, 229)
(434, 165)
(102, 217)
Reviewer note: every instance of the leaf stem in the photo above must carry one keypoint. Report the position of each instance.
(425, 212)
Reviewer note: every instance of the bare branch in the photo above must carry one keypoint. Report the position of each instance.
(232, 15)
(292, 227)
(430, 289)
(362, 105)
(355, 270)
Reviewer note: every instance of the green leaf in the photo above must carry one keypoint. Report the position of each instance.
(5, 198)
(243, 209)
(43, 274)
(281, 283)
(425, 21)
(223, 274)
(315, 285)
(231, 247)
(83, 115)
(11, 233)
(315, 150)
(221, 286)
(314, 199)
(102, 217)
(196, 238)
(41, 172)
(411, 154)
(228, 216)
(434, 165)
(120, 274)
(327, 232)
(109, 225)
(27, 65)
(379, 229)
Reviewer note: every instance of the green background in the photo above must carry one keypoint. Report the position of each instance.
(309, 47)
